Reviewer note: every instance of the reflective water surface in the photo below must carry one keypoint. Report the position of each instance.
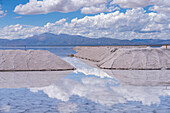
(85, 90)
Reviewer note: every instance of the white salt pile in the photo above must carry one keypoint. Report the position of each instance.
(31, 60)
(97, 53)
(166, 46)
(137, 58)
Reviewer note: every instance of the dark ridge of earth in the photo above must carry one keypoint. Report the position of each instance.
(49, 39)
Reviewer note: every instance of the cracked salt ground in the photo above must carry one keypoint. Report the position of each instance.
(85, 90)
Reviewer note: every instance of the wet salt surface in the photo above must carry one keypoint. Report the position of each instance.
(85, 90)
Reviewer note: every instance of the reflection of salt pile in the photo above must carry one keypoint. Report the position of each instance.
(31, 60)
(30, 79)
(141, 77)
(127, 58)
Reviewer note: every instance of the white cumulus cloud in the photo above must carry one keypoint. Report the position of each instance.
(88, 6)
(160, 9)
(134, 24)
(98, 9)
(161, 6)
(47, 6)
(131, 3)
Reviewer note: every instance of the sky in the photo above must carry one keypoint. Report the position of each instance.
(119, 19)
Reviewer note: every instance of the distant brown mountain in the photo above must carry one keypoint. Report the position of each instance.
(50, 39)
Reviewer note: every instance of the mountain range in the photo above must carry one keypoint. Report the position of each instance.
(49, 39)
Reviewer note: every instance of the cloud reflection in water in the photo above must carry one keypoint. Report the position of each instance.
(104, 91)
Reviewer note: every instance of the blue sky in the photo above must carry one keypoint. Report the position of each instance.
(37, 20)
(122, 19)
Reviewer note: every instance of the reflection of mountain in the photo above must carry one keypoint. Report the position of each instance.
(30, 79)
(141, 77)
(104, 91)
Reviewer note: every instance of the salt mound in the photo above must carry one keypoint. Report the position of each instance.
(31, 60)
(94, 54)
(138, 58)
(98, 53)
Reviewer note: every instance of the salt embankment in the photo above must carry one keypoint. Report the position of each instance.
(95, 54)
(124, 58)
(31, 60)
